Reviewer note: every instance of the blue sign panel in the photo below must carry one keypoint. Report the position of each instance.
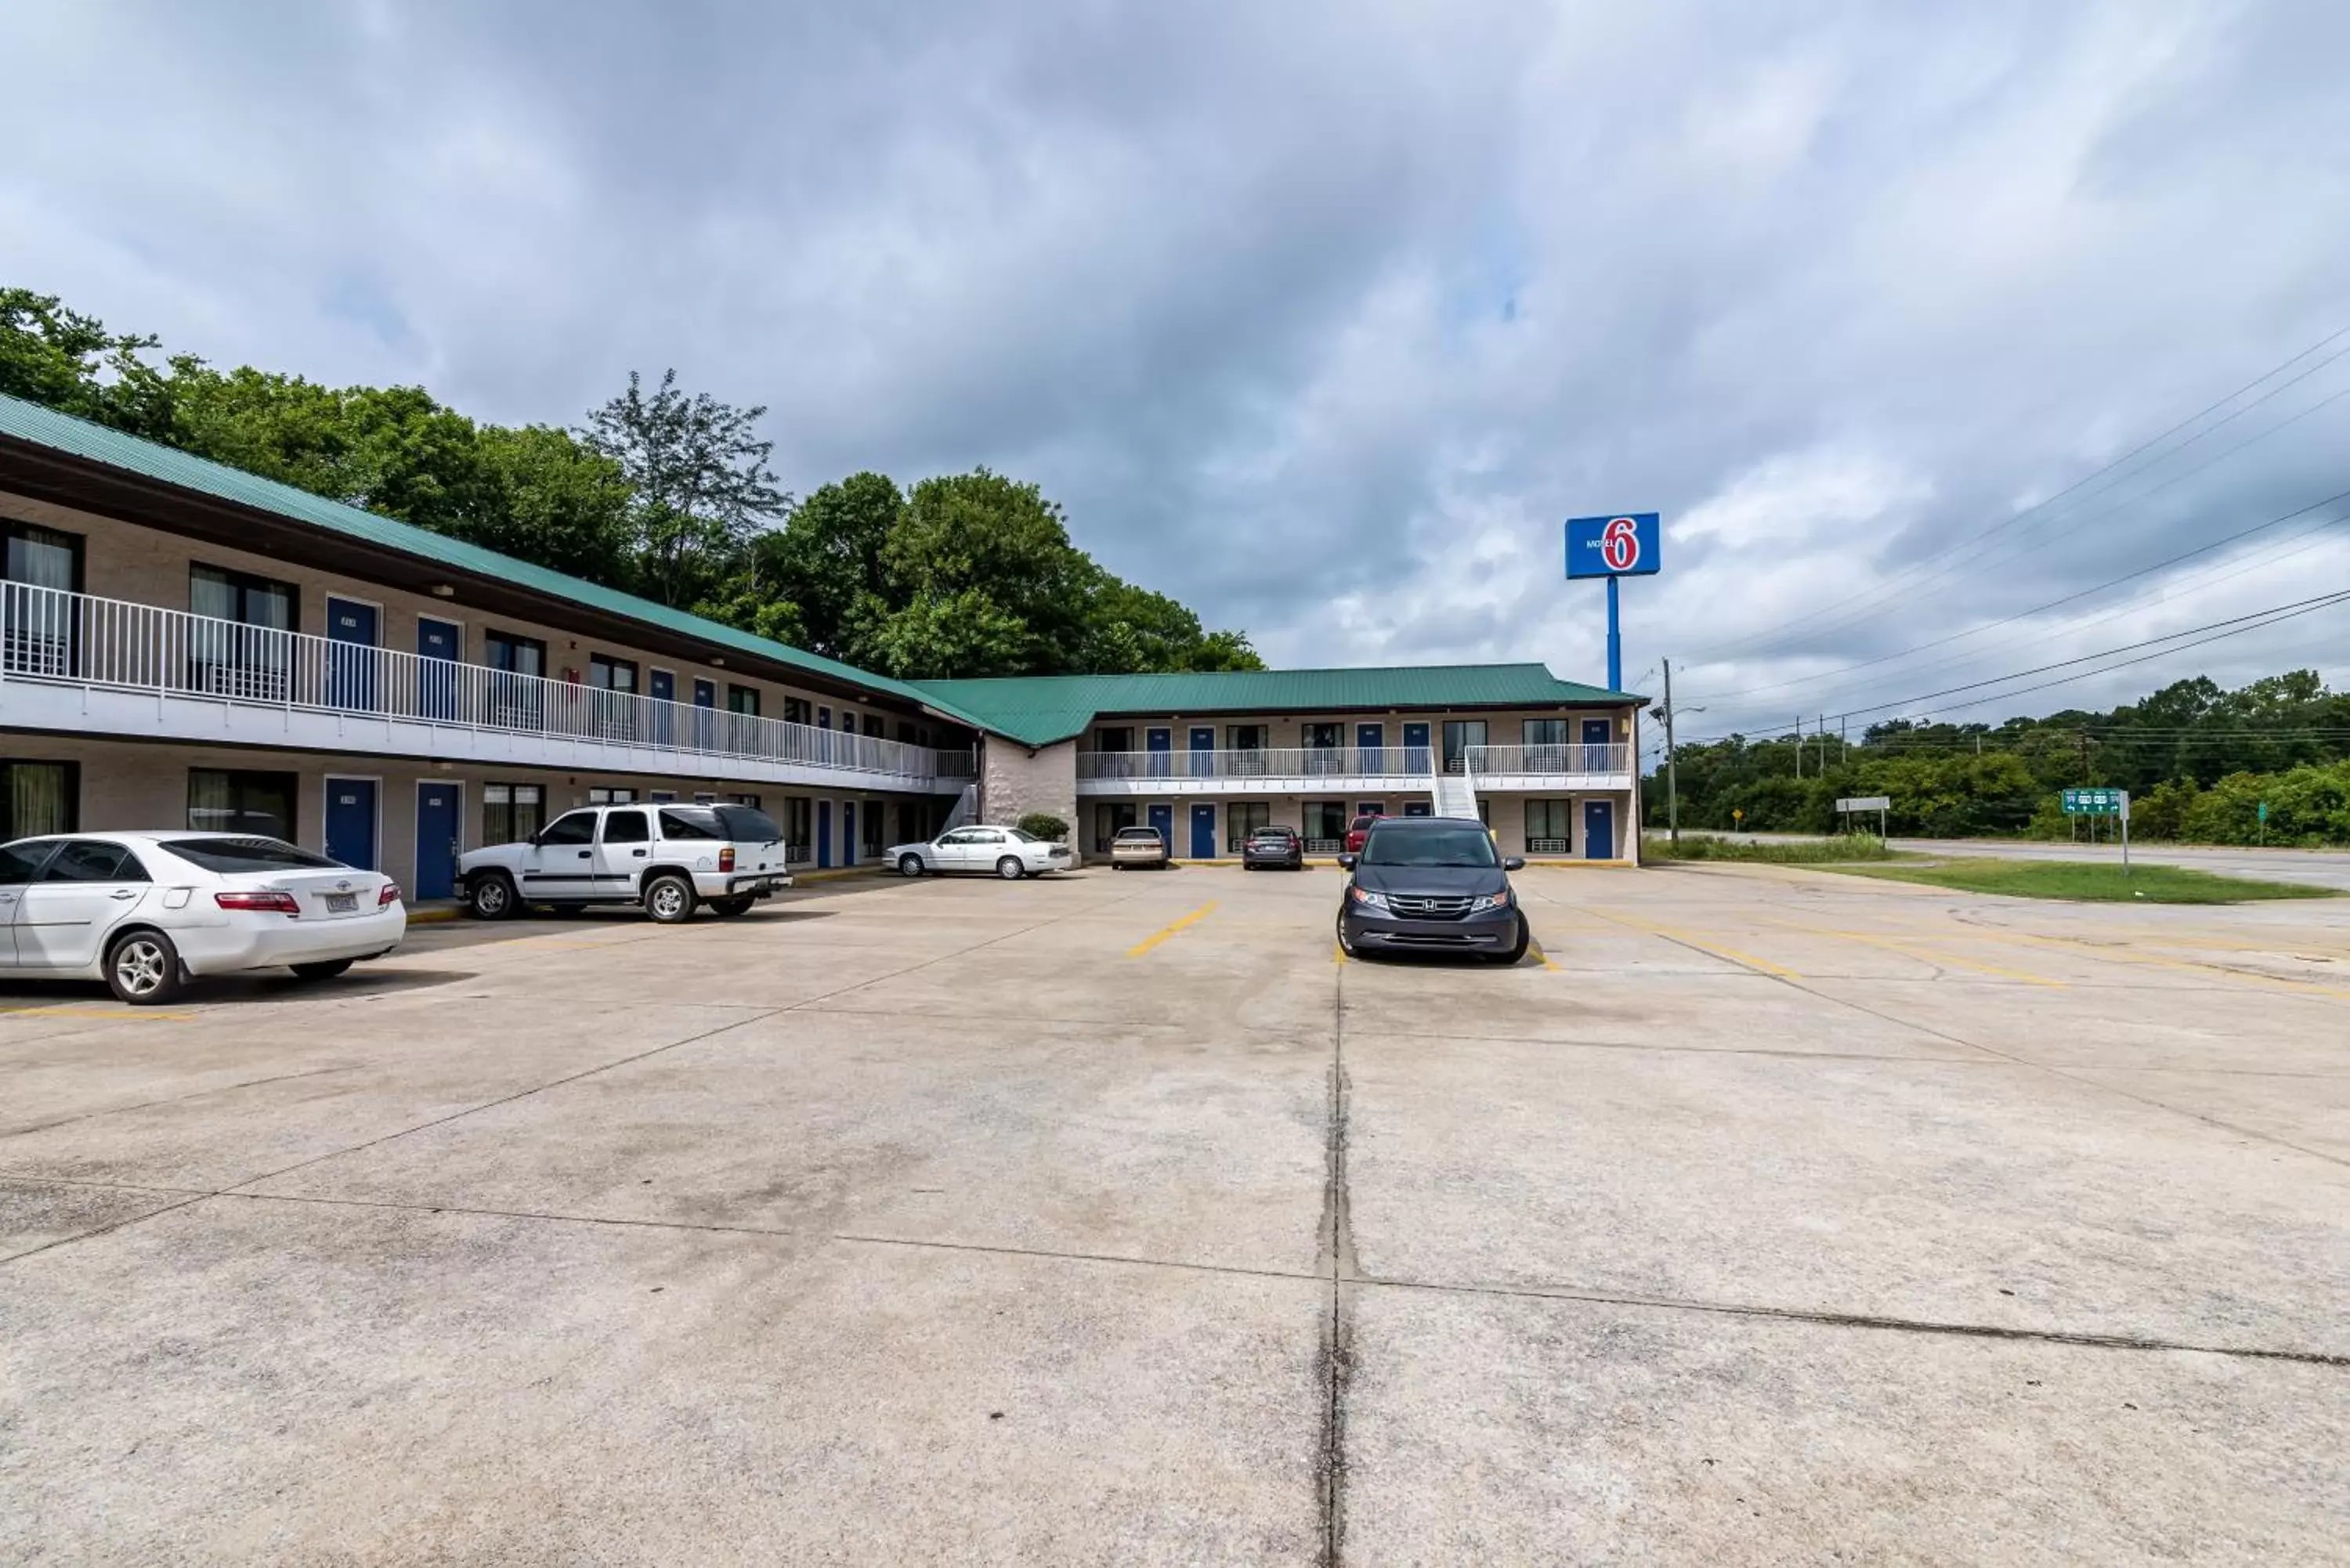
(1623, 545)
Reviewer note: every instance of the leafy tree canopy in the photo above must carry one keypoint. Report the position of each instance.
(663, 493)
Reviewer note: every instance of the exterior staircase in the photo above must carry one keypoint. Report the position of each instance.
(1456, 795)
(966, 807)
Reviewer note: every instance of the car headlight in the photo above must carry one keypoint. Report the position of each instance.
(1500, 900)
(1368, 899)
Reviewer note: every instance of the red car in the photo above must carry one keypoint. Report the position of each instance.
(1359, 830)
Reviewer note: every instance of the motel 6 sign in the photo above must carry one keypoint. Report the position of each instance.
(1625, 545)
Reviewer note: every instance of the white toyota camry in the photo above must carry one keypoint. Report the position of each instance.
(146, 912)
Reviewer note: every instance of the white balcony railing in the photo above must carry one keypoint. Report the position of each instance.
(1285, 763)
(77, 640)
(1568, 758)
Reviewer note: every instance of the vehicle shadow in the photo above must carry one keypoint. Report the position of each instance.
(21, 996)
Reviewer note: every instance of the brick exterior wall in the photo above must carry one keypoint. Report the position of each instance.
(1013, 782)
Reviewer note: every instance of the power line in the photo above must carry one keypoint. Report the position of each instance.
(2049, 502)
(2308, 607)
(2054, 604)
(2252, 620)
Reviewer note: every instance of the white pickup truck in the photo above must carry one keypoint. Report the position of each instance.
(669, 858)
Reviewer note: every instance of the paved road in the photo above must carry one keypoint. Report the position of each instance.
(1761, 1216)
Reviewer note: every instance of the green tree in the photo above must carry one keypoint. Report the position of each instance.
(699, 481)
(62, 359)
(827, 560)
(988, 581)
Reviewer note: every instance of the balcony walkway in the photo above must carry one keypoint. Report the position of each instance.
(80, 664)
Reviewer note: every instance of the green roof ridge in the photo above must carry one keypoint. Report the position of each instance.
(82, 438)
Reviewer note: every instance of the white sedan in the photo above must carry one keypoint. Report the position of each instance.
(145, 912)
(1004, 852)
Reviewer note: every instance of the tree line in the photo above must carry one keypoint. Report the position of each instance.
(2197, 760)
(657, 491)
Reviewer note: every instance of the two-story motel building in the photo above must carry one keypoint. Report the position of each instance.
(184, 644)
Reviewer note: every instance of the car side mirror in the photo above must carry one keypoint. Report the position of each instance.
(1514, 863)
(1345, 863)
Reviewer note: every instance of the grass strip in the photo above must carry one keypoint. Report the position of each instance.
(2083, 881)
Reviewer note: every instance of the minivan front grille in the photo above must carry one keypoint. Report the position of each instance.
(1428, 908)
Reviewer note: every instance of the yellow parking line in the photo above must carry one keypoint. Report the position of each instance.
(1923, 955)
(1157, 937)
(1338, 954)
(2097, 950)
(1534, 943)
(1745, 960)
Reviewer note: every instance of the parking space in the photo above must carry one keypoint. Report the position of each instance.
(1754, 1215)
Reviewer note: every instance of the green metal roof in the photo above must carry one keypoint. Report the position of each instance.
(1033, 709)
(1039, 708)
(96, 443)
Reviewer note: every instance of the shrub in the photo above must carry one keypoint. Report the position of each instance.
(1044, 825)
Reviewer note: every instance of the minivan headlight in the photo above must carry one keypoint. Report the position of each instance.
(1368, 899)
(1500, 900)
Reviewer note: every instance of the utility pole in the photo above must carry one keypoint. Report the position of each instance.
(1672, 777)
(1799, 745)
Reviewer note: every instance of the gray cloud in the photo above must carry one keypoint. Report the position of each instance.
(1320, 317)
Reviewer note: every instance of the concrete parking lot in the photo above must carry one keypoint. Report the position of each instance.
(1760, 1216)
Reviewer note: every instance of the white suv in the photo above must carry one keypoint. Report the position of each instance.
(668, 858)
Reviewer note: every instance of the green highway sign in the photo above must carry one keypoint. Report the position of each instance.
(2095, 801)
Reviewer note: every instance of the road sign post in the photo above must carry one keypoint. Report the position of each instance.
(1617, 545)
(2096, 803)
(1880, 804)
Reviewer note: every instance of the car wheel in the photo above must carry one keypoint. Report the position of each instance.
(909, 864)
(325, 968)
(1518, 951)
(144, 969)
(670, 900)
(492, 898)
(1010, 868)
(1345, 944)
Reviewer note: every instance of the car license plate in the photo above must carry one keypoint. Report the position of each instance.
(341, 903)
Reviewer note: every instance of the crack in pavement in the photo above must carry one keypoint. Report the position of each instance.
(1334, 1362)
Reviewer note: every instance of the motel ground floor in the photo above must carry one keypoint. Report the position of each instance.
(411, 819)
(1587, 825)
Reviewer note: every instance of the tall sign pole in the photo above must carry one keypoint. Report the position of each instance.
(1672, 773)
(1614, 545)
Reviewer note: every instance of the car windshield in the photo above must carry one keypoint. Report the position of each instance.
(248, 855)
(1462, 845)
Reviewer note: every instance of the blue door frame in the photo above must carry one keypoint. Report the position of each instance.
(439, 643)
(350, 674)
(1203, 747)
(1415, 747)
(848, 832)
(1160, 744)
(823, 834)
(350, 822)
(1596, 732)
(1371, 740)
(1162, 820)
(1599, 830)
(436, 841)
(662, 687)
(1203, 830)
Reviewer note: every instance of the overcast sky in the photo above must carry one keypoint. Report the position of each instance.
(1322, 318)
